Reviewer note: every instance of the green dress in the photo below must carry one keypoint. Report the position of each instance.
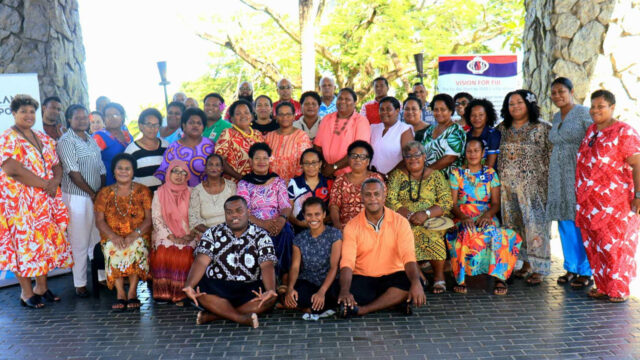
(435, 190)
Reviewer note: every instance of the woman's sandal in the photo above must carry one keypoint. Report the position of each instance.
(500, 288)
(460, 289)
(618, 299)
(581, 282)
(534, 279)
(50, 296)
(439, 287)
(569, 277)
(134, 304)
(34, 302)
(120, 305)
(522, 273)
(595, 294)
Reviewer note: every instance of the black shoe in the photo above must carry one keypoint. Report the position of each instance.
(50, 296)
(34, 302)
(82, 293)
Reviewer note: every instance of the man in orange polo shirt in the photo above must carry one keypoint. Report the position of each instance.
(378, 269)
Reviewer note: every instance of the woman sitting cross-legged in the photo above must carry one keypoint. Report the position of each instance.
(316, 254)
(123, 216)
(477, 244)
(173, 244)
(269, 208)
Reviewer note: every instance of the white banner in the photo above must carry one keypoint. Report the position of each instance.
(10, 86)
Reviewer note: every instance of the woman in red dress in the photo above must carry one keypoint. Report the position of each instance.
(608, 198)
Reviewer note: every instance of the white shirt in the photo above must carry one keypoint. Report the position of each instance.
(387, 149)
(312, 131)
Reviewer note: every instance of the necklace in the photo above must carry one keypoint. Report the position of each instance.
(115, 200)
(251, 134)
(336, 131)
(417, 197)
(35, 144)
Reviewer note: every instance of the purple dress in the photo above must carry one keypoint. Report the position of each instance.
(266, 202)
(195, 159)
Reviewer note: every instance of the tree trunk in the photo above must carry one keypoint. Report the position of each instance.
(307, 11)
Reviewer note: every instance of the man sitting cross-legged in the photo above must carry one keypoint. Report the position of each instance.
(229, 262)
(378, 269)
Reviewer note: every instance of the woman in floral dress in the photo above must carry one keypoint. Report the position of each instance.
(608, 198)
(477, 244)
(33, 218)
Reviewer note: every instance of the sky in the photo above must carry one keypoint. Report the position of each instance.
(125, 39)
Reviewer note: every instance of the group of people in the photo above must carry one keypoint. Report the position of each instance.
(316, 204)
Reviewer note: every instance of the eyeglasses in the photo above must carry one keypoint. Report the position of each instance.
(359, 157)
(284, 87)
(151, 125)
(462, 103)
(245, 89)
(114, 115)
(412, 156)
(311, 163)
(178, 171)
(593, 139)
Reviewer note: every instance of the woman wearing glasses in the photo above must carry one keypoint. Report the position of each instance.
(345, 200)
(608, 198)
(568, 128)
(148, 151)
(112, 140)
(523, 166)
(310, 184)
(419, 194)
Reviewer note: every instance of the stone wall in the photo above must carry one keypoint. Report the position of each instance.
(592, 42)
(44, 37)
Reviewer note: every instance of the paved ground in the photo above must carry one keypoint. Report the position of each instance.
(547, 322)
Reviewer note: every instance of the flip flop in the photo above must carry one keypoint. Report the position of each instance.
(135, 302)
(618, 299)
(439, 287)
(460, 289)
(497, 289)
(595, 294)
(347, 312)
(566, 278)
(50, 296)
(580, 282)
(534, 279)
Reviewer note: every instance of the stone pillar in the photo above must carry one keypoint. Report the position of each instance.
(44, 37)
(592, 42)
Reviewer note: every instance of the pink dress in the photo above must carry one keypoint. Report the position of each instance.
(335, 135)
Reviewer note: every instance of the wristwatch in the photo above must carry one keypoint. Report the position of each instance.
(138, 231)
(637, 194)
(428, 212)
(335, 167)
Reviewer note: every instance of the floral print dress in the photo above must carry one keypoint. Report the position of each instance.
(484, 250)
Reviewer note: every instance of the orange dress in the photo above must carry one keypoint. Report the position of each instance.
(287, 150)
(135, 258)
(32, 224)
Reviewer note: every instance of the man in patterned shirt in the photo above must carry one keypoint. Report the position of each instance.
(234, 262)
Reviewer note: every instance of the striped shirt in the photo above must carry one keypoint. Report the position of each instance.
(83, 156)
(148, 162)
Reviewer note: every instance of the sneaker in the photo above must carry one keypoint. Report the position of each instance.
(310, 317)
(327, 314)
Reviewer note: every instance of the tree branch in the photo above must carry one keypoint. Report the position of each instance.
(268, 69)
(319, 11)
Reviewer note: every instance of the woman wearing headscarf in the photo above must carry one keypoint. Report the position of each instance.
(172, 242)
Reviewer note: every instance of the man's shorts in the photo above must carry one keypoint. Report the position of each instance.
(236, 292)
(365, 289)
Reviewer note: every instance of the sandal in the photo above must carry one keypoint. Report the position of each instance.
(34, 302)
(595, 294)
(500, 288)
(581, 282)
(119, 306)
(347, 312)
(460, 289)
(569, 277)
(522, 273)
(534, 279)
(134, 304)
(50, 296)
(439, 287)
(618, 299)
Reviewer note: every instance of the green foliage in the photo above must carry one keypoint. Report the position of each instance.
(365, 39)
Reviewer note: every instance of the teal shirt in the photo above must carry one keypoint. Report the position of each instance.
(213, 132)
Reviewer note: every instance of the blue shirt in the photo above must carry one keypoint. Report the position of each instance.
(327, 109)
(491, 138)
(316, 254)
